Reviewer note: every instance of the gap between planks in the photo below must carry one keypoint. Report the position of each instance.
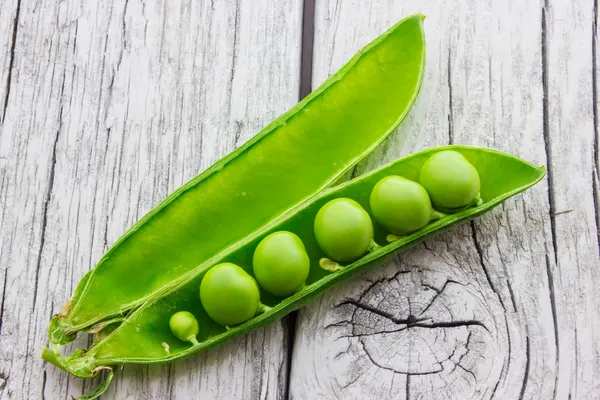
(306, 70)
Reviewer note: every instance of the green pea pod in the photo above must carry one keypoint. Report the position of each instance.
(145, 338)
(310, 147)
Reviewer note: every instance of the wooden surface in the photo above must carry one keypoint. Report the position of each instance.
(106, 107)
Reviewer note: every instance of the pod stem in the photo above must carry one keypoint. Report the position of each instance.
(329, 265)
(437, 215)
(478, 200)
(374, 246)
(263, 308)
(192, 339)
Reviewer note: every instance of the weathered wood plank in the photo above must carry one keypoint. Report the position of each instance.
(113, 106)
(9, 16)
(571, 145)
(509, 75)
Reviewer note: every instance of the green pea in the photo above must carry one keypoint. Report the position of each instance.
(184, 326)
(280, 263)
(229, 294)
(402, 206)
(343, 230)
(451, 181)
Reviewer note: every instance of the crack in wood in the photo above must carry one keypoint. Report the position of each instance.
(379, 332)
(75, 41)
(554, 319)
(511, 293)
(564, 212)
(3, 299)
(258, 365)
(44, 380)
(526, 374)
(438, 292)
(455, 356)
(236, 26)
(341, 353)
(68, 384)
(45, 209)
(495, 389)
(457, 362)
(353, 381)
(482, 263)
(239, 125)
(412, 321)
(595, 123)
(45, 205)
(456, 349)
(467, 371)
(11, 60)
(370, 357)
(170, 383)
(124, 30)
(292, 319)
(450, 324)
(546, 131)
(370, 287)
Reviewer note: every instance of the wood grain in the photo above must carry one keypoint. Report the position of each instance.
(502, 307)
(112, 106)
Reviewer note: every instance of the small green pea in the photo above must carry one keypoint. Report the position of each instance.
(343, 230)
(280, 263)
(184, 326)
(451, 181)
(402, 206)
(229, 294)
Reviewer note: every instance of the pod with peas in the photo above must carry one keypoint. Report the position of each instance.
(334, 224)
(225, 209)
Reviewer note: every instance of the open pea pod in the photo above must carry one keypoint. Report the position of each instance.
(144, 336)
(310, 147)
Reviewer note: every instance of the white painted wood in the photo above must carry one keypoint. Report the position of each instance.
(112, 106)
(484, 85)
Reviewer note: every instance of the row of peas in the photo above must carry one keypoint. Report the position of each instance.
(343, 230)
